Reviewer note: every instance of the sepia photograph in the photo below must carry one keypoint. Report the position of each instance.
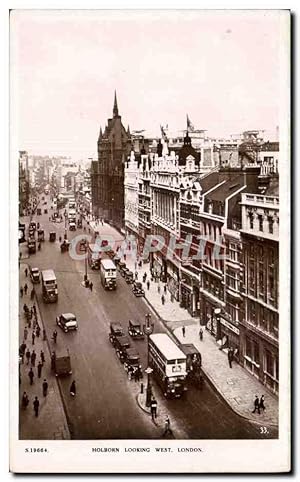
(150, 225)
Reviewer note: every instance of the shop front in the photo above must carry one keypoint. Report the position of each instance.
(172, 280)
(229, 335)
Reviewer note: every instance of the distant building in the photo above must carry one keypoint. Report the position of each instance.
(24, 181)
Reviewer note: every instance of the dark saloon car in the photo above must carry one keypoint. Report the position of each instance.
(67, 322)
(137, 289)
(116, 330)
(135, 330)
(35, 275)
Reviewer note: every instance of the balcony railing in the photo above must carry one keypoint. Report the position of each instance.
(258, 199)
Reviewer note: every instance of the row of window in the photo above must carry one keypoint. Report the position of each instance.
(262, 317)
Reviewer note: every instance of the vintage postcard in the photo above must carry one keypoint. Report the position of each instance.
(150, 237)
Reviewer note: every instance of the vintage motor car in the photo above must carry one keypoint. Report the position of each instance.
(124, 272)
(62, 365)
(193, 363)
(117, 260)
(129, 277)
(137, 289)
(32, 225)
(131, 359)
(65, 245)
(82, 245)
(121, 344)
(41, 235)
(135, 330)
(116, 330)
(52, 236)
(67, 322)
(35, 275)
(122, 266)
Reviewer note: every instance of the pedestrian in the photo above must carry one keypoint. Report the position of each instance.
(136, 275)
(167, 426)
(25, 333)
(262, 403)
(230, 355)
(25, 288)
(45, 387)
(73, 388)
(201, 334)
(33, 336)
(91, 286)
(25, 400)
(136, 374)
(39, 367)
(31, 376)
(256, 405)
(172, 298)
(153, 407)
(148, 285)
(162, 299)
(53, 359)
(26, 272)
(54, 336)
(183, 331)
(165, 288)
(38, 330)
(21, 292)
(42, 355)
(25, 308)
(36, 405)
(28, 356)
(23, 347)
(44, 335)
(158, 288)
(33, 358)
(32, 293)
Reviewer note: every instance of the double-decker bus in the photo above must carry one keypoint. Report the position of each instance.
(94, 256)
(72, 204)
(169, 365)
(49, 285)
(108, 274)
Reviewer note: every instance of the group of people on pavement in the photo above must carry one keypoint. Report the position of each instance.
(259, 404)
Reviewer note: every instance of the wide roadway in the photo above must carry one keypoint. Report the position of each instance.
(105, 406)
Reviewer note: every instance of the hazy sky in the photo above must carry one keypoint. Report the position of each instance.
(220, 68)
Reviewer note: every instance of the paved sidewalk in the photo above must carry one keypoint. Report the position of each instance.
(236, 385)
(51, 423)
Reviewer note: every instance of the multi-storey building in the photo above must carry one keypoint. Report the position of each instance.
(107, 176)
(144, 199)
(131, 195)
(259, 328)
(23, 181)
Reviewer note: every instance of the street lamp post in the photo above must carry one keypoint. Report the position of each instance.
(65, 213)
(85, 264)
(148, 330)
(217, 312)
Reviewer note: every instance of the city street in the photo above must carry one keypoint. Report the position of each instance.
(105, 406)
